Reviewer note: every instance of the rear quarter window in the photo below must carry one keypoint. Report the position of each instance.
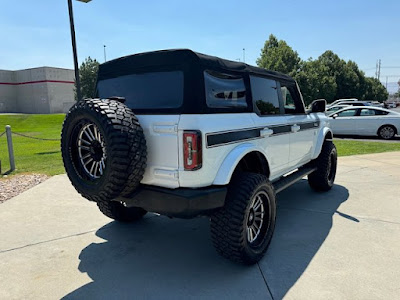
(224, 90)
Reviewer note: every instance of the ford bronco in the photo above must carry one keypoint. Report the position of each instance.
(184, 134)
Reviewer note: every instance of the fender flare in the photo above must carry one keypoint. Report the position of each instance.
(230, 162)
(320, 141)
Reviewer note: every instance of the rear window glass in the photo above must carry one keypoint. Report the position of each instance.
(372, 112)
(146, 91)
(224, 90)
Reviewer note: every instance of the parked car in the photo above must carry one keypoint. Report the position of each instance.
(390, 105)
(355, 103)
(376, 103)
(339, 101)
(367, 121)
(335, 108)
(185, 134)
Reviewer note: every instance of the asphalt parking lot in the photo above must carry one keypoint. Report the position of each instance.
(343, 244)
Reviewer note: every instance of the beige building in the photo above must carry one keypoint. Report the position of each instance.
(42, 90)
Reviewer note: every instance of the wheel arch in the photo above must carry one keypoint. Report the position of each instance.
(324, 135)
(391, 125)
(246, 157)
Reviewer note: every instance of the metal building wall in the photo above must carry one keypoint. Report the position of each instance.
(40, 90)
(8, 92)
(32, 94)
(60, 89)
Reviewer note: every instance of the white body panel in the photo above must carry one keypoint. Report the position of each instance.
(283, 152)
(276, 147)
(161, 133)
(301, 141)
(213, 157)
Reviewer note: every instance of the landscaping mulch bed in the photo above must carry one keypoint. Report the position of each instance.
(15, 185)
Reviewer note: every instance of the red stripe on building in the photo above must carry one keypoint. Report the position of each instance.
(39, 81)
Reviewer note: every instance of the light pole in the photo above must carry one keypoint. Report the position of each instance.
(73, 39)
(105, 56)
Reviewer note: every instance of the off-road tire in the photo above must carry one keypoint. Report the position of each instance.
(125, 149)
(229, 224)
(323, 178)
(117, 211)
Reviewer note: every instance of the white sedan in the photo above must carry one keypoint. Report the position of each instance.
(330, 110)
(362, 120)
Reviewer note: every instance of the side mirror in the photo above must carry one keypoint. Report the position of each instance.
(318, 105)
(334, 116)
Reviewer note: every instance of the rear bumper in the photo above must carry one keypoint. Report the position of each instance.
(181, 202)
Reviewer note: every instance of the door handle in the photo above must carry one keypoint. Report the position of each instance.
(266, 132)
(295, 128)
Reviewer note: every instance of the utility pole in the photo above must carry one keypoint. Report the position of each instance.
(105, 56)
(244, 55)
(379, 69)
(386, 81)
(73, 39)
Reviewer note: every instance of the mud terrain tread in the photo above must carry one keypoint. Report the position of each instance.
(318, 180)
(126, 147)
(118, 212)
(228, 230)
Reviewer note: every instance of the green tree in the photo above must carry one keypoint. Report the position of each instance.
(315, 81)
(88, 76)
(374, 90)
(345, 74)
(328, 76)
(278, 56)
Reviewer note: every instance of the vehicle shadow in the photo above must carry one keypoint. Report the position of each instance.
(166, 258)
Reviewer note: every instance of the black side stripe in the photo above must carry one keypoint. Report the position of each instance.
(217, 139)
(309, 125)
(281, 129)
(233, 136)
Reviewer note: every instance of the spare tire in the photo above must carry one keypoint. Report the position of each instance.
(103, 149)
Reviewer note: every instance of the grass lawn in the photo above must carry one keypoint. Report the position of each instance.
(347, 147)
(35, 156)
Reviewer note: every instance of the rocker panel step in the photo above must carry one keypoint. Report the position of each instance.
(288, 180)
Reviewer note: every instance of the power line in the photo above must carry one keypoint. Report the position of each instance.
(392, 75)
(391, 67)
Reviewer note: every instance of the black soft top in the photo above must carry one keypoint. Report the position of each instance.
(169, 59)
(193, 65)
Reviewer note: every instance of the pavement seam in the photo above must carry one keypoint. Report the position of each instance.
(47, 241)
(265, 280)
(358, 169)
(329, 213)
(62, 238)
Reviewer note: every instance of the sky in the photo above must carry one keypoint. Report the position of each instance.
(36, 33)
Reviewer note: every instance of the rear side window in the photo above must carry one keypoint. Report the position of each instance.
(224, 90)
(372, 112)
(265, 95)
(156, 90)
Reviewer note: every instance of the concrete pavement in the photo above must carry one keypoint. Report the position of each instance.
(343, 244)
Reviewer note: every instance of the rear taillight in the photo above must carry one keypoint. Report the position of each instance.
(192, 154)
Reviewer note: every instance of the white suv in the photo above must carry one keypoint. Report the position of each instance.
(185, 134)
